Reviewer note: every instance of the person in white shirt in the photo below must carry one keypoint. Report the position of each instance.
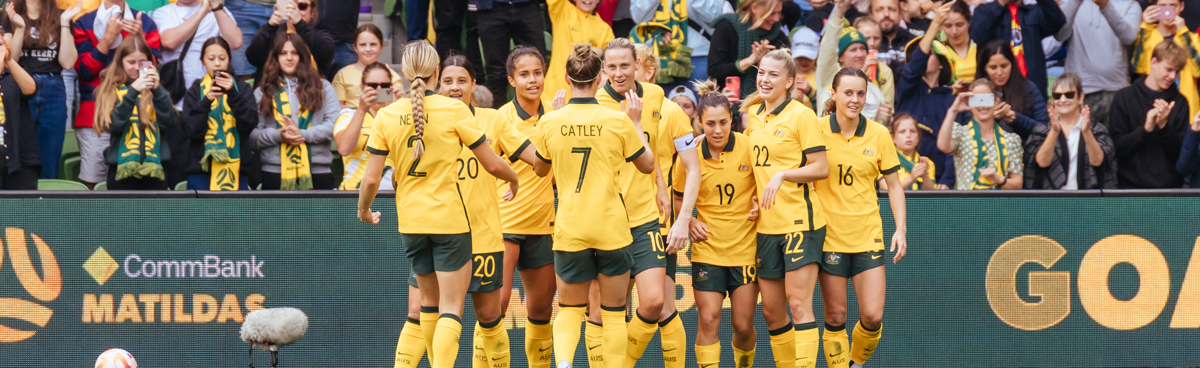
(195, 20)
(1072, 152)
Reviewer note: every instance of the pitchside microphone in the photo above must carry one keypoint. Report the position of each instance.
(268, 329)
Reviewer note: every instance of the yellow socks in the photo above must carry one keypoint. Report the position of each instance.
(445, 341)
(479, 357)
(566, 331)
(641, 330)
(411, 345)
(539, 340)
(808, 342)
(594, 340)
(674, 341)
(429, 322)
(837, 346)
(743, 359)
(865, 342)
(783, 346)
(494, 338)
(616, 335)
(708, 356)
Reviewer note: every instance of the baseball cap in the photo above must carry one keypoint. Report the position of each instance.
(682, 91)
(805, 43)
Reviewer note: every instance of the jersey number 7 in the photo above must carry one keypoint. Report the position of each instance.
(587, 153)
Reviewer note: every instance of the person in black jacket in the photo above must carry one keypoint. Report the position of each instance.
(213, 162)
(133, 107)
(1149, 120)
(741, 39)
(319, 41)
(20, 159)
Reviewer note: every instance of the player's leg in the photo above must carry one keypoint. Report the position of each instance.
(743, 301)
(593, 330)
(649, 272)
(870, 287)
(613, 278)
(537, 278)
(411, 344)
(774, 299)
(833, 301)
(709, 304)
(673, 335)
(803, 254)
(574, 273)
(486, 285)
(449, 251)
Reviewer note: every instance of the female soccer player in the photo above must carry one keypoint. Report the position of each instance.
(528, 219)
(723, 235)
(791, 228)
(862, 151)
(438, 240)
(588, 144)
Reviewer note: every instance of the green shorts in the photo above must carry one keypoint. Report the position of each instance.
(647, 248)
(573, 267)
(487, 272)
(850, 264)
(706, 277)
(779, 254)
(536, 250)
(412, 280)
(437, 252)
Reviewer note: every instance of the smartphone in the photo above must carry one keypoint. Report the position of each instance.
(145, 67)
(1166, 13)
(982, 100)
(384, 95)
(734, 84)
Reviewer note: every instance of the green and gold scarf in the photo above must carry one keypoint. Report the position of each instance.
(137, 156)
(908, 164)
(667, 35)
(983, 160)
(221, 143)
(295, 167)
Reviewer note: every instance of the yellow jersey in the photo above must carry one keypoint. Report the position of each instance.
(675, 127)
(531, 211)
(639, 190)
(355, 164)
(1143, 50)
(427, 186)
(963, 66)
(726, 185)
(571, 26)
(347, 83)
(587, 144)
(478, 186)
(851, 201)
(780, 140)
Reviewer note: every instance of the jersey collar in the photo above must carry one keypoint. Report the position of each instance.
(583, 100)
(472, 108)
(763, 106)
(429, 93)
(728, 147)
(862, 125)
(637, 86)
(524, 115)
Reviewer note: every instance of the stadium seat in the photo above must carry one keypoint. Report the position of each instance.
(70, 144)
(549, 41)
(181, 185)
(337, 168)
(59, 184)
(69, 170)
(101, 186)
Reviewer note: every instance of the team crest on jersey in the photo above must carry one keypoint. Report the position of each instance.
(779, 133)
(655, 114)
(743, 167)
(833, 259)
(868, 152)
(702, 276)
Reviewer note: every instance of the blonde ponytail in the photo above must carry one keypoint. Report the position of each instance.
(419, 64)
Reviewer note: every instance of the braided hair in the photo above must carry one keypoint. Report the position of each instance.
(419, 65)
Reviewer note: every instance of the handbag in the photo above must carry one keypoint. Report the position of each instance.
(172, 74)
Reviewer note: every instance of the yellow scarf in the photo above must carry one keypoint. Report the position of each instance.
(221, 143)
(137, 156)
(295, 167)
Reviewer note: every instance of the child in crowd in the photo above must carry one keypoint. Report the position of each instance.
(916, 172)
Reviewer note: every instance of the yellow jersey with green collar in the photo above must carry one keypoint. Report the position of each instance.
(586, 145)
(355, 163)
(427, 186)
(726, 185)
(531, 211)
(780, 140)
(478, 186)
(569, 27)
(639, 190)
(851, 202)
(675, 128)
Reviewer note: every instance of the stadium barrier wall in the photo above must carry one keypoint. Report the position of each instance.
(998, 279)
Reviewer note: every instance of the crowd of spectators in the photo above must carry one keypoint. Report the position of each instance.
(226, 94)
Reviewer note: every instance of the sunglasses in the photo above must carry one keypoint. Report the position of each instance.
(302, 6)
(378, 85)
(1068, 95)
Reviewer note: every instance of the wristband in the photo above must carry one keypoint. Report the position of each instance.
(219, 8)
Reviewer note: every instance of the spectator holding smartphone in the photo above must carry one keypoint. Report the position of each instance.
(18, 131)
(1020, 106)
(740, 41)
(194, 21)
(134, 109)
(1148, 122)
(985, 156)
(368, 43)
(302, 15)
(37, 45)
(1002, 19)
(379, 88)
(1161, 21)
(96, 35)
(216, 109)
(1072, 152)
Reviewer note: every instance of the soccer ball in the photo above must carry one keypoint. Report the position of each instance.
(116, 358)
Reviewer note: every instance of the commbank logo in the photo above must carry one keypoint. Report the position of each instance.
(44, 288)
